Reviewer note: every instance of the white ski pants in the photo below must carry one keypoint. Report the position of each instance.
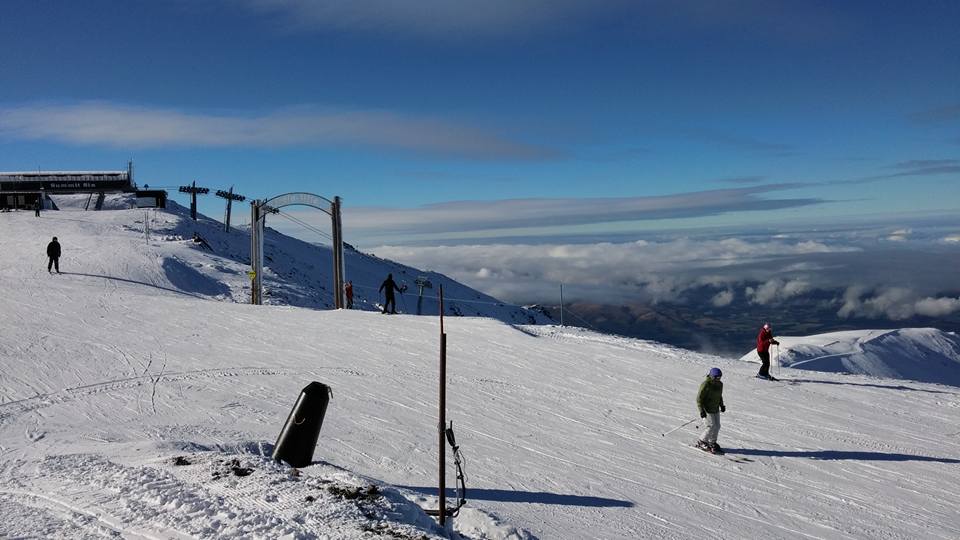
(712, 428)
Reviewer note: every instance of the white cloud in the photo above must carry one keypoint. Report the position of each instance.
(803, 267)
(485, 273)
(723, 298)
(851, 301)
(777, 290)
(894, 303)
(953, 238)
(125, 126)
(937, 307)
(900, 235)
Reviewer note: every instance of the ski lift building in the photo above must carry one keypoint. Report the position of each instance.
(23, 189)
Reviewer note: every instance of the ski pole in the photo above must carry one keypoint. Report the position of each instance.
(778, 359)
(678, 427)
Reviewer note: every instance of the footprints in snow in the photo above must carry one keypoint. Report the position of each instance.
(208, 494)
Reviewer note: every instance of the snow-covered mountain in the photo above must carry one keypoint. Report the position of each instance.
(297, 273)
(919, 354)
(134, 404)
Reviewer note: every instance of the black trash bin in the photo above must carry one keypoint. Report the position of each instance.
(299, 436)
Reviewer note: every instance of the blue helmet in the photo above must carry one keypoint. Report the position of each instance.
(715, 373)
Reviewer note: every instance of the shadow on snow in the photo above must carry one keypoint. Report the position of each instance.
(869, 385)
(828, 455)
(542, 497)
(133, 282)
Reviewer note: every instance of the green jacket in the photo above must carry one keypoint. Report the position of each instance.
(710, 396)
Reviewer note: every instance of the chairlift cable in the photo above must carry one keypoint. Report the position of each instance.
(305, 225)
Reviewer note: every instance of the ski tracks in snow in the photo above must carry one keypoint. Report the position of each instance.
(14, 408)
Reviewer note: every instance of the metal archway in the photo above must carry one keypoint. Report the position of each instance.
(258, 216)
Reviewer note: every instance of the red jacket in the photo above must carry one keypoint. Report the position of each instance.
(764, 339)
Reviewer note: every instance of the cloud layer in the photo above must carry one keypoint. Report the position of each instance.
(916, 167)
(463, 20)
(519, 213)
(610, 272)
(846, 272)
(431, 18)
(124, 126)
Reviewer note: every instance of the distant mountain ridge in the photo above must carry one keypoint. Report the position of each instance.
(919, 354)
(694, 323)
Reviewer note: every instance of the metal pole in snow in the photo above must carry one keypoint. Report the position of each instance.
(253, 251)
(561, 304)
(256, 252)
(778, 359)
(338, 265)
(419, 297)
(443, 416)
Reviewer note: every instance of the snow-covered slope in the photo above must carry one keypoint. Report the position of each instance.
(297, 273)
(919, 354)
(107, 378)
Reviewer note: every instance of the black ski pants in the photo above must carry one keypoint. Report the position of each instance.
(765, 363)
(54, 263)
(390, 304)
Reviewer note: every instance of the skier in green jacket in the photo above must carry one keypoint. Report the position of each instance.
(710, 403)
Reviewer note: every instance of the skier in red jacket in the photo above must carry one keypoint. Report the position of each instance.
(348, 289)
(764, 340)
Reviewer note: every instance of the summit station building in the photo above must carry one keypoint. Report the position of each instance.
(22, 190)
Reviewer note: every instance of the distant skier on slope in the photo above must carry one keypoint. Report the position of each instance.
(710, 403)
(764, 340)
(36, 208)
(387, 288)
(197, 239)
(348, 291)
(53, 252)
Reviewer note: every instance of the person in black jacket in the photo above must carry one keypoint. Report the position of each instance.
(387, 288)
(53, 251)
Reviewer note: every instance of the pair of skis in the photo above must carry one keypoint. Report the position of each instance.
(721, 453)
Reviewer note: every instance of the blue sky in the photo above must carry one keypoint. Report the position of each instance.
(441, 121)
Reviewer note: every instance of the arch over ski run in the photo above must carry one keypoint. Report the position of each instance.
(301, 198)
(258, 217)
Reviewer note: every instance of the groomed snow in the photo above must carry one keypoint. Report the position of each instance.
(114, 369)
